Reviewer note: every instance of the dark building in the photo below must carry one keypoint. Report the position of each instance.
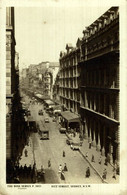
(69, 78)
(15, 134)
(100, 83)
(10, 75)
(89, 83)
(56, 89)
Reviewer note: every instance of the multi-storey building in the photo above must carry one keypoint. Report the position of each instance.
(96, 96)
(24, 79)
(48, 82)
(10, 72)
(14, 119)
(100, 83)
(56, 89)
(69, 84)
(69, 78)
(41, 78)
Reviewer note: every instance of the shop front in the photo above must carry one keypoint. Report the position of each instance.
(70, 121)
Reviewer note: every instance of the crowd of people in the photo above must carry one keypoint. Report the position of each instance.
(25, 171)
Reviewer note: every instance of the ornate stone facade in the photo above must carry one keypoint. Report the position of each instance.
(100, 83)
(70, 78)
(10, 82)
(89, 82)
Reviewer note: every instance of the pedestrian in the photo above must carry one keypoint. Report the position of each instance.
(60, 168)
(117, 170)
(32, 176)
(114, 175)
(108, 158)
(86, 154)
(42, 169)
(21, 170)
(104, 174)
(29, 170)
(90, 145)
(106, 161)
(25, 152)
(65, 167)
(100, 160)
(87, 172)
(49, 163)
(25, 170)
(34, 166)
(62, 175)
(63, 153)
(17, 168)
(92, 160)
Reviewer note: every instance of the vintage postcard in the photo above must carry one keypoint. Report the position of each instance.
(63, 97)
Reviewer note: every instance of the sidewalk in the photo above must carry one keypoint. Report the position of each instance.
(99, 168)
(29, 160)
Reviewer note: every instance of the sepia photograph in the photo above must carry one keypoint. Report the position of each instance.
(63, 95)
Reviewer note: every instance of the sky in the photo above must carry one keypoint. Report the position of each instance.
(42, 32)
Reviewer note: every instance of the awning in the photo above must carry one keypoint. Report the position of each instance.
(49, 102)
(39, 95)
(70, 117)
(57, 107)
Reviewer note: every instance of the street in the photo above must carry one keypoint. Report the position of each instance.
(52, 149)
(63, 96)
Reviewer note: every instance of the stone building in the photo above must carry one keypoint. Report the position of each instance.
(69, 84)
(69, 78)
(14, 120)
(100, 83)
(10, 75)
(24, 79)
(56, 89)
(41, 78)
(47, 82)
(89, 83)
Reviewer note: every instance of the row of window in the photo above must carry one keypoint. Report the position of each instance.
(75, 95)
(101, 77)
(71, 61)
(103, 103)
(70, 105)
(69, 83)
(70, 73)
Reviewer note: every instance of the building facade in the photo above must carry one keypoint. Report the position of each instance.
(10, 74)
(47, 83)
(14, 120)
(100, 83)
(56, 89)
(95, 60)
(41, 77)
(70, 78)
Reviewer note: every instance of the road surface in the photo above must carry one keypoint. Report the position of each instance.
(52, 150)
